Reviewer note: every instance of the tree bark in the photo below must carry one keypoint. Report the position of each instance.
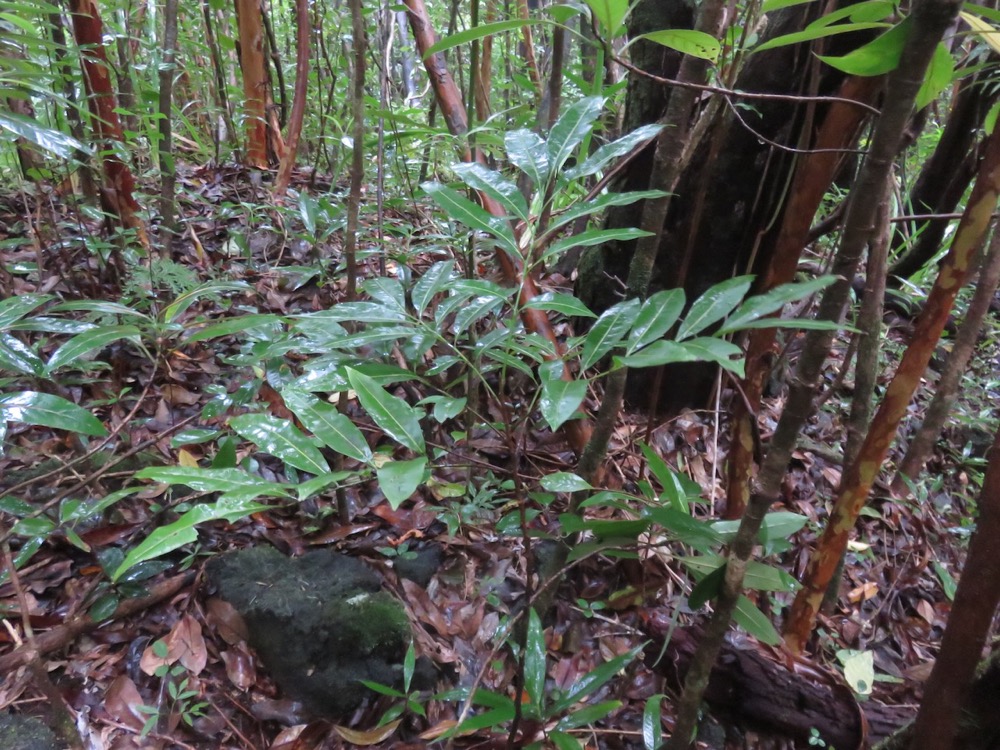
(251, 32)
(303, 28)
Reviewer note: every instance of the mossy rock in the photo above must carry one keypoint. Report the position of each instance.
(320, 623)
(26, 733)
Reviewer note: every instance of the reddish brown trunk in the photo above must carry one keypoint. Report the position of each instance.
(812, 178)
(117, 193)
(299, 100)
(254, 81)
(861, 473)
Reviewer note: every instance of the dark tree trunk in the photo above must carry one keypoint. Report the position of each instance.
(719, 226)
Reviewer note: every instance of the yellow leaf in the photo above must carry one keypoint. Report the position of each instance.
(989, 34)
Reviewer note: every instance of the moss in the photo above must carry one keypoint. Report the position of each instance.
(319, 623)
(25, 733)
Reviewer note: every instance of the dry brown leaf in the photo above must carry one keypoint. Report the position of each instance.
(365, 737)
(185, 644)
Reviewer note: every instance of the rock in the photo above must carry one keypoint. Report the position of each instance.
(319, 623)
(422, 566)
(26, 733)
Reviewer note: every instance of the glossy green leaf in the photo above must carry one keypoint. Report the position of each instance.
(879, 56)
(658, 353)
(16, 356)
(708, 587)
(570, 129)
(329, 425)
(494, 184)
(281, 439)
(12, 309)
(432, 283)
(461, 209)
(560, 302)
(79, 346)
(54, 141)
(652, 725)
(608, 332)
(183, 531)
(527, 151)
(758, 306)
(398, 480)
(535, 663)
(758, 577)
(563, 741)
(602, 202)
(769, 6)
(230, 326)
(560, 399)
(688, 42)
(609, 14)
(388, 291)
(725, 354)
(564, 481)
(228, 481)
(755, 622)
(480, 32)
(940, 73)
(398, 419)
(713, 306)
(594, 237)
(46, 410)
(34, 527)
(686, 529)
(657, 316)
(215, 289)
(610, 151)
(777, 525)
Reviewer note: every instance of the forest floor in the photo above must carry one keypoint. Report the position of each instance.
(895, 596)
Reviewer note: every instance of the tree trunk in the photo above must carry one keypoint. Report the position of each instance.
(254, 81)
(299, 101)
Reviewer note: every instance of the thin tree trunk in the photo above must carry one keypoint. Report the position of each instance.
(221, 93)
(930, 20)
(813, 176)
(360, 44)
(117, 190)
(87, 181)
(251, 33)
(969, 623)
(301, 94)
(955, 369)
(168, 171)
(861, 474)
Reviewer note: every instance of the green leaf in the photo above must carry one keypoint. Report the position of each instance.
(657, 316)
(608, 331)
(571, 128)
(778, 525)
(652, 726)
(759, 576)
(328, 424)
(594, 680)
(33, 527)
(504, 191)
(534, 662)
(755, 622)
(560, 400)
(230, 326)
(527, 151)
(708, 587)
(708, 349)
(281, 439)
(400, 479)
(213, 289)
(769, 6)
(16, 356)
(609, 14)
(480, 32)
(233, 482)
(688, 42)
(758, 306)
(601, 202)
(434, 280)
(564, 481)
(55, 142)
(816, 32)
(398, 419)
(588, 715)
(14, 308)
(46, 410)
(940, 73)
(388, 291)
(805, 324)
(659, 353)
(609, 151)
(879, 56)
(594, 237)
(560, 302)
(713, 305)
(563, 741)
(182, 531)
(79, 346)
(461, 209)
(685, 528)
